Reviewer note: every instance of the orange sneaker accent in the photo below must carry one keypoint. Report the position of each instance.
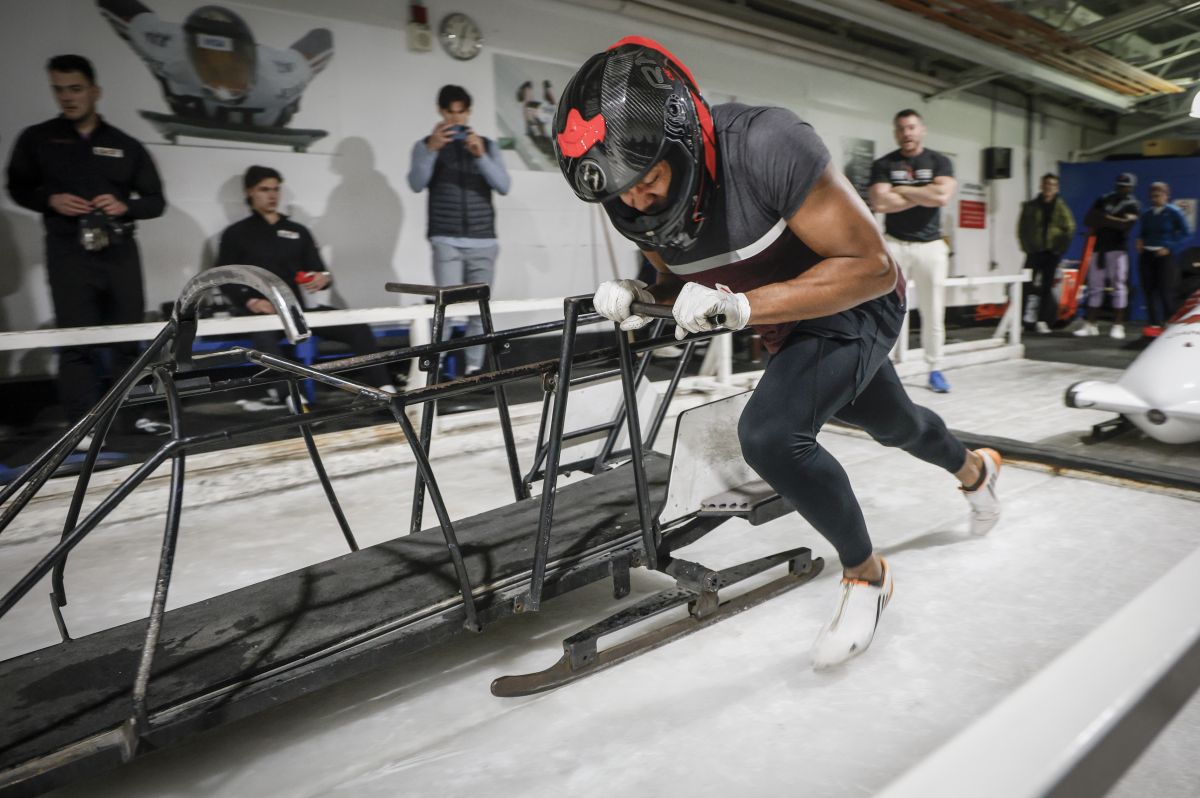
(995, 458)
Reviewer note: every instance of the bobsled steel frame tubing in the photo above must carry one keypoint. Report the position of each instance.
(58, 589)
(614, 431)
(560, 383)
(573, 309)
(110, 502)
(480, 293)
(606, 452)
(318, 466)
(425, 471)
(613, 426)
(432, 377)
(139, 721)
(493, 352)
(36, 475)
(651, 537)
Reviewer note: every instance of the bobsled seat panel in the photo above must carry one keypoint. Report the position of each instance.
(58, 695)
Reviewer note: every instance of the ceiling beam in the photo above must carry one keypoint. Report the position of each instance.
(1131, 19)
(922, 32)
(1094, 33)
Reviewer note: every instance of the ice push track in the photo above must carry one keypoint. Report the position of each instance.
(90, 704)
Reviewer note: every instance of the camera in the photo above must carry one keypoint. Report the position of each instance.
(98, 230)
(459, 132)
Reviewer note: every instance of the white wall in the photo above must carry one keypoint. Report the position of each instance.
(376, 98)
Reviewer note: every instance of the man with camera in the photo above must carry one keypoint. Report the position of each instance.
(461, 169)
(90, 181)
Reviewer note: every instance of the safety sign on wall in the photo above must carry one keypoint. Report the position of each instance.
(972, 207)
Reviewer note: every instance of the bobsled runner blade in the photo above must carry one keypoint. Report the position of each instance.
(580, 655)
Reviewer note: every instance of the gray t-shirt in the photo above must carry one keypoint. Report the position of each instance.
(768, 161)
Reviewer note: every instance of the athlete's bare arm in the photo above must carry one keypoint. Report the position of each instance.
(668, 285)
(933, 195)
(834, 223)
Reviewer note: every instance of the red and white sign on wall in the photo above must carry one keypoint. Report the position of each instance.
(972, 214)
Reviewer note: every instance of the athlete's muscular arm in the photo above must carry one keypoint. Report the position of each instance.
(933, 195)
(835, 224)
(886, 199)
(668, 285)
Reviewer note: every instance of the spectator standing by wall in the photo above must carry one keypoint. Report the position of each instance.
(911, 185)
(91, 183)
(1164, 228)
(1110, 219)
(1045, 230)
(461, 170)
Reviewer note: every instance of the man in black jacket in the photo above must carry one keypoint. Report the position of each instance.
(272, 241)
(91, 182)
(461, 169)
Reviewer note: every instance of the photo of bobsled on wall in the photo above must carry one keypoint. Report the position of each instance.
(217, 80)
(1159, 392)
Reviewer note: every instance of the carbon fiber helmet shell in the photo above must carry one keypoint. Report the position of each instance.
(625, 110)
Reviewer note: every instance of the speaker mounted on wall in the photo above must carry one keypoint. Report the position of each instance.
(997, 163)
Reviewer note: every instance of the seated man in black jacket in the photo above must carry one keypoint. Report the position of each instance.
(268, 239)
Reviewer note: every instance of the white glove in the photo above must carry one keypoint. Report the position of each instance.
(613, 298)
(696, 304)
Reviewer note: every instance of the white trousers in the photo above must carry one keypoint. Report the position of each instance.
(926, 265)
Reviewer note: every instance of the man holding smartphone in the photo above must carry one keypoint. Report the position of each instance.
(461, 169)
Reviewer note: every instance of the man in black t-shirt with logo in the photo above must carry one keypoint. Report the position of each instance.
(1110, 219)
(911, 185)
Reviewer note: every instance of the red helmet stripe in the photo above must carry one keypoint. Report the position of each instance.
(579, 135)
(710, 139)
(642, 41)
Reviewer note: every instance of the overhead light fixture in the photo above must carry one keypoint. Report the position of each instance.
(1195, 105)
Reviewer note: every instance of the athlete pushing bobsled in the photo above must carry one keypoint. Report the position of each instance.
(744, 216)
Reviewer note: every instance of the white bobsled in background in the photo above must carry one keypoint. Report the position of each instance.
(1160, 391)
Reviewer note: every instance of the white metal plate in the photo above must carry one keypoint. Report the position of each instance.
(707, 457)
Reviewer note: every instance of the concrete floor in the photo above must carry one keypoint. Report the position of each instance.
(734, 707)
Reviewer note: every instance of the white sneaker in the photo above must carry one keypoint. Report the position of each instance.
(984, 500)
(1117, 331)
(852, 628)
(1042, 327)
(1086, 330)
(151, 427)
(667, 352)
(291, 406)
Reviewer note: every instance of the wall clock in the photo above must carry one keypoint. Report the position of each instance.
(460, 36)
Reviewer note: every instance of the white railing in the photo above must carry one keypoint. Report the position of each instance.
(1006, 337)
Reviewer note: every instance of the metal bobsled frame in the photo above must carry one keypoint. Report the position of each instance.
(73, 710)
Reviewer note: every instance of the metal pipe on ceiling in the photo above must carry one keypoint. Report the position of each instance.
(920, 31)
(1079, 155)
(682, 16)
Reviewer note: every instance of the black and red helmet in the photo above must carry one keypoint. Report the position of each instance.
(625, 110)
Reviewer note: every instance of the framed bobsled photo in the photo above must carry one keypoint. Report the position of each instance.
(219, 77)
(526, 98)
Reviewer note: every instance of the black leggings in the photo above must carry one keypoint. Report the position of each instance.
(811, 380)
(1160, 279)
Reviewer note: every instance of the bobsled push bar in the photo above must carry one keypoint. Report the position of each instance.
(89, 704)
